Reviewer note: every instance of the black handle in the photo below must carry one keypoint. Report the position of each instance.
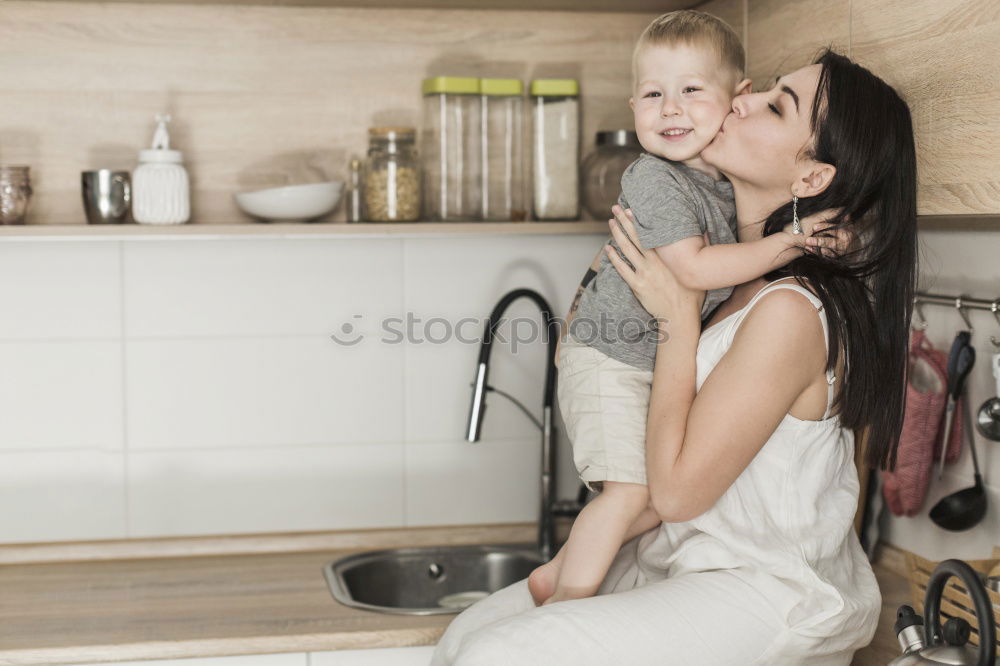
(984, 608)
(960, 361)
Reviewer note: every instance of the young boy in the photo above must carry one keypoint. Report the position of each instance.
(687, 66)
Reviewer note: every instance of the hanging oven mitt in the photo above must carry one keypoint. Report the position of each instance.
(926, 397)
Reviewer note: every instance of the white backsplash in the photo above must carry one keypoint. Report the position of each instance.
(160, 387)
(184, 387)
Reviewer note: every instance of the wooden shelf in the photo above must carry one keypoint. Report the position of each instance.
(291, 230)
(641, 6)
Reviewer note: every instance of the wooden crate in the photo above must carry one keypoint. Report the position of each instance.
(955, 602)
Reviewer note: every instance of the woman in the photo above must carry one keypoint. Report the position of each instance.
(749, 435)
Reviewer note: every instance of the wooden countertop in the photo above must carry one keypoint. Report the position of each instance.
(231, 603)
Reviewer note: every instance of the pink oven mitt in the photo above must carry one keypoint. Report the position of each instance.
(926, 398)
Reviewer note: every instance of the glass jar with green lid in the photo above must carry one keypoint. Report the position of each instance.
(556, 148)
(450, 148)
(502, 153)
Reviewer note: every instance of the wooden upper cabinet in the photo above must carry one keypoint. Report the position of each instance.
(943, 56)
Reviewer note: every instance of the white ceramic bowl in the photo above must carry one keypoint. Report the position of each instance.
(292, 203)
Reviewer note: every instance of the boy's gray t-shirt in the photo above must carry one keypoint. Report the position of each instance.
(670, 202)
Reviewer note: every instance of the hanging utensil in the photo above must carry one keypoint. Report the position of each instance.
(965, 508)
(988, 418)
(960, 360)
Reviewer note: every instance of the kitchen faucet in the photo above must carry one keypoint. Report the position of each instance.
(550, 508)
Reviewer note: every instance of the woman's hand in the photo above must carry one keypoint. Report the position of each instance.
(652, 281)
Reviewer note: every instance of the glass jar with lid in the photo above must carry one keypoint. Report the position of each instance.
(502, 153)
(392, 176)
(556, 148)
(450, 147)
(602, 170)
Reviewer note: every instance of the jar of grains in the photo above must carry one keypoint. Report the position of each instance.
(556, 148)
(450, 148)
(392, 176)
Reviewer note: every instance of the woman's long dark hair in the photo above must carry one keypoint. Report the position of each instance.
(863, 128)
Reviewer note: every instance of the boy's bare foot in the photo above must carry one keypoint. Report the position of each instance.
(542, 582)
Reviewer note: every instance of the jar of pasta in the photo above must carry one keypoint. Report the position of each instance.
(392, 176)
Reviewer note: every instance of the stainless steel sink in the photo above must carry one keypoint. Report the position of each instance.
(428, 581)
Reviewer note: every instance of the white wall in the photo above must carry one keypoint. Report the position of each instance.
(956, 263)
(171, 387)
(159, 387)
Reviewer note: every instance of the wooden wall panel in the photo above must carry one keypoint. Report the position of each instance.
(944, 58)
(264, 95)
(732, 12)
(783, 35)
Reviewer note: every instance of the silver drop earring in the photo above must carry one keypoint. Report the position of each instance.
(796, 226)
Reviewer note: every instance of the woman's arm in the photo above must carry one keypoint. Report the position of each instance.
(698, 444)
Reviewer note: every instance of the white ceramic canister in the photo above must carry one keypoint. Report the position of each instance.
(160, 187)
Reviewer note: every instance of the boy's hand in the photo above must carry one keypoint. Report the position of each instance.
(834, 243)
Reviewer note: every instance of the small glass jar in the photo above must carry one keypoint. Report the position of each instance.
(450, 148)
(15, 194)
(392, 176)
(603, 168)
(556, 148)
(502, 154)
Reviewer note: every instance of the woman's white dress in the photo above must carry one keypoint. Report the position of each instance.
(772, 574)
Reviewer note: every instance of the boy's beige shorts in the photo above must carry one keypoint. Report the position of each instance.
(603, 403)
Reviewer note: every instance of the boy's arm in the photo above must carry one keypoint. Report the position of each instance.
(698, 265)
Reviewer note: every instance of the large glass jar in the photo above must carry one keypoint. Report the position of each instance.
(603, 168)
(450, 148)
(15, 194)
(392, 176)
(556, 148)
(502, 152)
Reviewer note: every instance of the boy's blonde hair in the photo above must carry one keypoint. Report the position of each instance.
(693, 28)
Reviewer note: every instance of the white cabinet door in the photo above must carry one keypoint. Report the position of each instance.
(402, 656)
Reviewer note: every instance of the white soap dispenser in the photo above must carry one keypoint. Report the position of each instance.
(160, 186)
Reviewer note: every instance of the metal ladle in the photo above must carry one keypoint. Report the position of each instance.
(965, 508)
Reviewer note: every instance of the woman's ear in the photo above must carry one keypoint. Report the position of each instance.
(744, 87)
(816, 178)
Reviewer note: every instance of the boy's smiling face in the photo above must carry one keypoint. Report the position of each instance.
(681, 97)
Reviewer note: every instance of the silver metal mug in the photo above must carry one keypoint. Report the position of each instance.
(107, 196)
